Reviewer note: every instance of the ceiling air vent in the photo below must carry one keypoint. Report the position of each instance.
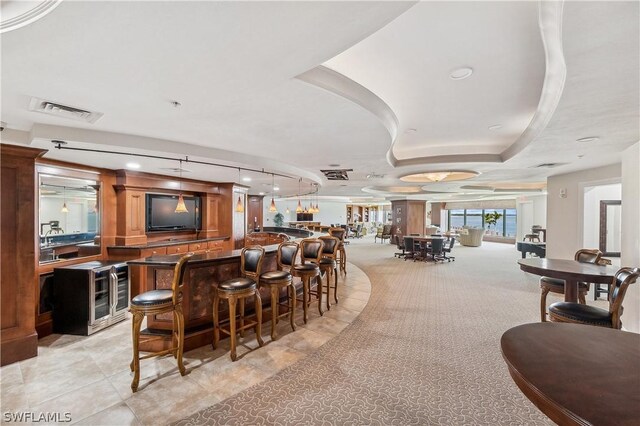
(337, 174)
(548, 165)
(64, 111)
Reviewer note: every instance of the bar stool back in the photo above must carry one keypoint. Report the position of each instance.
(238, 289)
(340, 234)
(281, 278)
(310, 255)
(156, 302)
(329, 265)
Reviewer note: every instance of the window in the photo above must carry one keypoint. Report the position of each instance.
(474, 218)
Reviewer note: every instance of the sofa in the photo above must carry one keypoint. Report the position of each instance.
(471, 237)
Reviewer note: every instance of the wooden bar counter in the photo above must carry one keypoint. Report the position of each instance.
(204, 272)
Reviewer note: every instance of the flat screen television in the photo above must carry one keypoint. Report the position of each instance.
(161, 215)
(303, 217)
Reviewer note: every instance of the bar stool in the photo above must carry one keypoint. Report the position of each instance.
(238, 289)
(340, 234)
(311, 251)
(329, 265)
(275, 280)
(156, 302)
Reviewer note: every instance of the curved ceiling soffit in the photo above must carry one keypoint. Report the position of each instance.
(550, 24)
(126, 141)
(343, 86)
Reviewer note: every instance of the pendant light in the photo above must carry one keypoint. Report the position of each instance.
(299, 208)
(317, 200)
(64, 209)
(181, 207)
(272, 207)
(287, 211)
(239, 205)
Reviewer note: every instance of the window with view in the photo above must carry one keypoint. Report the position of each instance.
(505, 225)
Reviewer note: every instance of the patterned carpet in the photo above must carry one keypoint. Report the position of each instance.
(425, 350)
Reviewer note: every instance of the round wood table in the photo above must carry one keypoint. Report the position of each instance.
(571, 271)
(576, 374)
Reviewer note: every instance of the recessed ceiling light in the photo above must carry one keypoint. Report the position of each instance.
(410, 131)
(495, 127)
(260, 193)
(334, 165)
(276, 188)
(461, 73)
(246, 179)
(588, 139)
(133, 166)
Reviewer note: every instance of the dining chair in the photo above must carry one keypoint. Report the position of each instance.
(578, 313)
(555, 285)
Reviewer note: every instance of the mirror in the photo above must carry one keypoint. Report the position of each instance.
(610, 227)
(69, 219)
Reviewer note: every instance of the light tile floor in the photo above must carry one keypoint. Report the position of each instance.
(89, 377)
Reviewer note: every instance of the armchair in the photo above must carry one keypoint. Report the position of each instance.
(384, 233)
(471, 237)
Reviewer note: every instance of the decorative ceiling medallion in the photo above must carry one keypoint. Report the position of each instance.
(17, 14)
(440, 176)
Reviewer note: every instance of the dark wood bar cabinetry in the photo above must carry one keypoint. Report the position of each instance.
(204, 273)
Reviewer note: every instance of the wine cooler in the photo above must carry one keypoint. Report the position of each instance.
(89, 297)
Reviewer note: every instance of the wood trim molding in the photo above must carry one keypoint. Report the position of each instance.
(150, 182)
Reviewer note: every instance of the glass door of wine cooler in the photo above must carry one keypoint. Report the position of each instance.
(122, 287)
(101, 294)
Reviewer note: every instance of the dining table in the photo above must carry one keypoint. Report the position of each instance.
(571, 271)
(576, 374)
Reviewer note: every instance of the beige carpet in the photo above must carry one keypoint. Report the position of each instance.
(425, 350)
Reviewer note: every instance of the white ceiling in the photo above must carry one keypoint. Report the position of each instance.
(233, 67)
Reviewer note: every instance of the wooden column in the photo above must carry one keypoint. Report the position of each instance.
(409, 216)
(255, 211)
(19, 339)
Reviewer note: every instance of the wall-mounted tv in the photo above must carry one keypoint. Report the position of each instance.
(161, 215)
(303, 217)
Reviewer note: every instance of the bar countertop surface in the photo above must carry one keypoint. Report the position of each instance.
(172, 260)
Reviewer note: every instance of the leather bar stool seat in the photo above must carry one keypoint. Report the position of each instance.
(237, 290)
(153, 298)
(238, 284)
(325, 261)
(155, 302)
(584, 314)
(274, 276)
(307, 267)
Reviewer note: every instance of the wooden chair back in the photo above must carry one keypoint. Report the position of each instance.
(330, 246)
(623, 278)
(311, 250)
(251, 260)
(339, 233)
(178, 278)
(287, 253)
(588, 256)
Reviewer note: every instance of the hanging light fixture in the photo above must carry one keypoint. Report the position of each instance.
(64, 209)
(299, 209)
(317, 200)
(239, 205)
(272, 207)
(287, 211)
(181, 207)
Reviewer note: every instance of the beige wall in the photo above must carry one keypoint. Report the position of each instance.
(565, 215)
(631, 232)
(565, 219)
